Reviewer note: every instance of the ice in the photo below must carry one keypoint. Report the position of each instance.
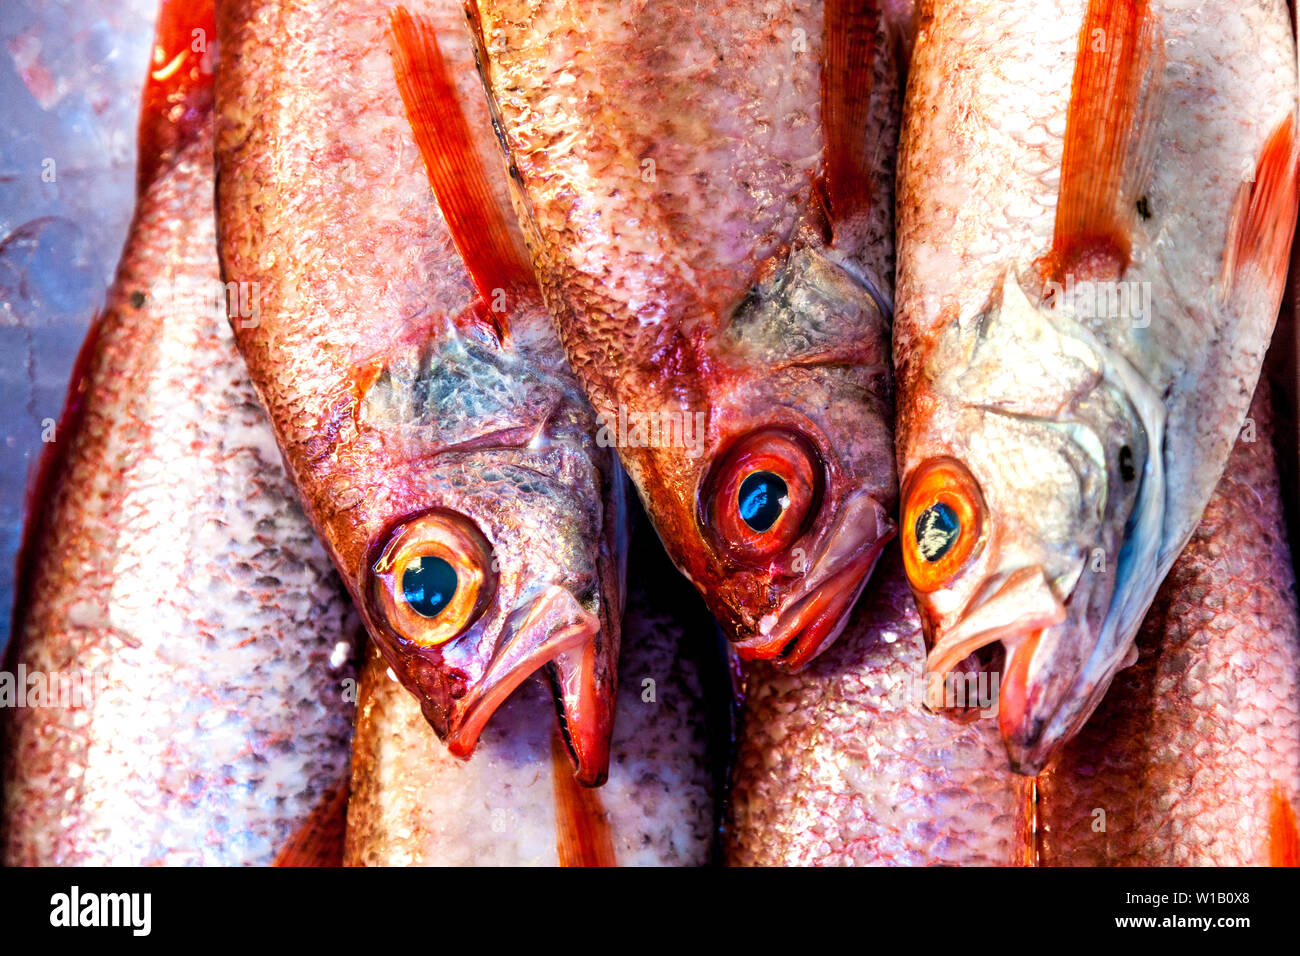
(71, 72)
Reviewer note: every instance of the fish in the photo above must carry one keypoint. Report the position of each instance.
(419, 394)
(842, 765)
(1193, 758)
(176, 688)
(707, 195)
(1096, 203)
(516, 803)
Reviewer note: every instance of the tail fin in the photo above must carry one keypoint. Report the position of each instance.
(178, 92)
(497, 263)
(1110, 136)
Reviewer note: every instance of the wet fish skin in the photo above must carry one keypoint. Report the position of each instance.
(414, 805)
(1071, 428)
(667, 161)
(1197, 743)
(841, 765)
(391, 406)
(172, 570)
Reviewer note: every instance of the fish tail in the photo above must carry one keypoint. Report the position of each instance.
(181, 71)
(1110, 136)
(1257, 252)
(582, 836)
(1283, 833)
(493, 256)
(319, 840)
(847, 71)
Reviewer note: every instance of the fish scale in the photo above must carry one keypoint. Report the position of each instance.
(841, 765)
(175, 570)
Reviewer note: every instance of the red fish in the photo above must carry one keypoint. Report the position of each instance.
(708, 192)
(418, 392)
(1096, 201)
(176, 690)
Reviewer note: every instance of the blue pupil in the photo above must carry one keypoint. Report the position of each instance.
(760, 500)
(428, 585)
(937, 530)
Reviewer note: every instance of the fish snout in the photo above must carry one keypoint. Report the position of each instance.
(817, 609)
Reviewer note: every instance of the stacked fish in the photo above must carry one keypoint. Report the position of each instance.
(930, 341)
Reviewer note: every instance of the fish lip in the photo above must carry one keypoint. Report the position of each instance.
(504, 674)
(1032, 606)
(817, 614)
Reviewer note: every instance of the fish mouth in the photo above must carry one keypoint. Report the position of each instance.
(817, 614)
(1052, 683)
(557, 633)
(1058, 661)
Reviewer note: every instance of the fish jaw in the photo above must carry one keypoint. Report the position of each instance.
(554, 629)
(814, 615)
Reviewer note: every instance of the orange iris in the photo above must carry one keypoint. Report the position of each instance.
(433, 578)
(943, 516)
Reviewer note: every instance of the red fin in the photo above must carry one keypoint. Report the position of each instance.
(847, 70)
(582, 835)
(178, 91)
(319, 841)
(1024, 847)
(1109, 137)
(1257, 252)
(493, 256)
(1283, 833)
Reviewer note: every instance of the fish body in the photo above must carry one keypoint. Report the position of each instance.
(418, 392)
(513, 804)
(184, 640)
(842, 765)
(1193, 758)
(707, 193)
(1095, 208)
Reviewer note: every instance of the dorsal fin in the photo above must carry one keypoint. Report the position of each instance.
(495, 259)
(1110, 134)
(1283, 834)
(1257, 251)
(847, 70)
(178, 92)
(581, 831)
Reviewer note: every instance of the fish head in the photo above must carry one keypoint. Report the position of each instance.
(780, 511)
(497, 551)
(1031, 510)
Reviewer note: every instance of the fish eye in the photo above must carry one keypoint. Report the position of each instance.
(943, 516)
(759, 499)
(433, 578)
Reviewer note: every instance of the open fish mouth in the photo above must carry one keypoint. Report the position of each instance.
(557, 634)
(1057, 662)
(816, 615)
